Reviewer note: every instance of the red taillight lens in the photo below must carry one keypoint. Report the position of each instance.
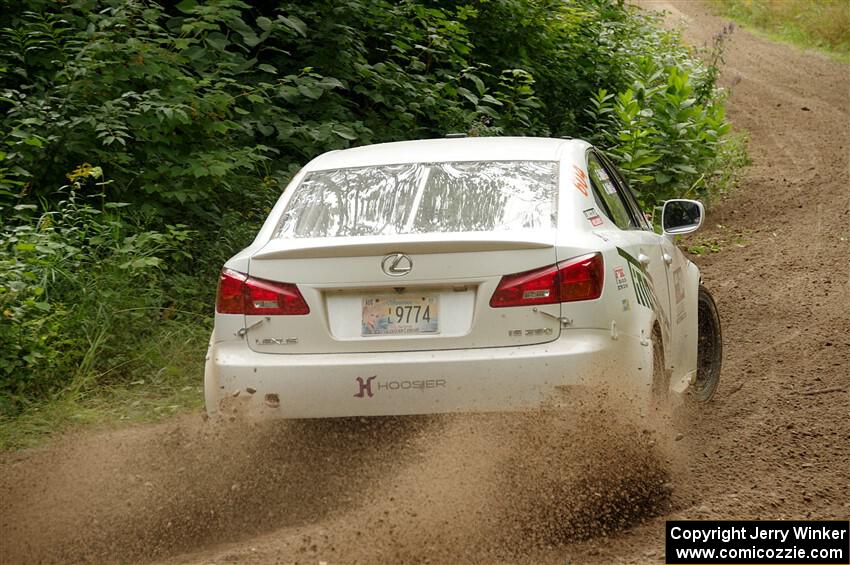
(582, 278)
(579, 278)
(240, 294)
(231, 293)
(274, 298)
(539, 286)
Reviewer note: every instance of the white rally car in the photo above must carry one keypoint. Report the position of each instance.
(470, 274)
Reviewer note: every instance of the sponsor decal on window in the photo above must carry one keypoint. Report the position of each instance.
(606, 181)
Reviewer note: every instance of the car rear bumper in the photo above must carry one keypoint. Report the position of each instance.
(422, 382)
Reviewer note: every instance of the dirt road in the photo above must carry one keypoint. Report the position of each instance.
(775, 442)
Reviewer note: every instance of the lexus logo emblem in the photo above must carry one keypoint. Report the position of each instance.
(396, 264)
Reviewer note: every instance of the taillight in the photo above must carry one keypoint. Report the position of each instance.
(231, 294)
(274, 298)
(582, 278)
(526, 289)
(579, 278)
(241, 294)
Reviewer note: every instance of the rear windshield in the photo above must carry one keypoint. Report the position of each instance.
(470, 196)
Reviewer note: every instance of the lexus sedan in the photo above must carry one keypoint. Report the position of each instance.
(472, 274)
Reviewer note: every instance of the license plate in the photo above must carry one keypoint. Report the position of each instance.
(400, 314)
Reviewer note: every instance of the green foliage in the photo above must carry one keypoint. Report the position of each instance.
(79, 283)
(208, 108)
(667, 130)
(166, 377)
(212, 107)
(662, 138)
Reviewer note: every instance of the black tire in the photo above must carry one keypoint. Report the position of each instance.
(709, 349)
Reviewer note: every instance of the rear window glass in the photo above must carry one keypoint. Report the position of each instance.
(471, 196)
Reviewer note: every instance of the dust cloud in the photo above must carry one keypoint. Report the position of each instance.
(474, 488)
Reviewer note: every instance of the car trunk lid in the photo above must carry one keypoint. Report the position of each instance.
(441, 302)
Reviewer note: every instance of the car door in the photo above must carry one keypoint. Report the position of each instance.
(681, 278)
(641, 247)
(683, 322)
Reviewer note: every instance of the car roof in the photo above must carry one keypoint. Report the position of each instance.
(442, 150)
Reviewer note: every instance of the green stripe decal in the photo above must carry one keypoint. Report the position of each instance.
(643, 294)
(625, 255)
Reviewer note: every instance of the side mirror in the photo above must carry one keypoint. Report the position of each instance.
(681, 216)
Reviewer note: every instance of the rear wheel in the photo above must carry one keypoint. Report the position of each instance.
(709, 348)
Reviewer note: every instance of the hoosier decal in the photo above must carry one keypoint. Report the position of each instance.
(643, 287)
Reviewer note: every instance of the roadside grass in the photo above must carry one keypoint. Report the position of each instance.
(823, 25)
(721, 239)
(732, 160)
(164, 378)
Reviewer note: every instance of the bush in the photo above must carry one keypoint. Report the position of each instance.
(212, 107)
(79, 284)
(207, 109)
(667, 130)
